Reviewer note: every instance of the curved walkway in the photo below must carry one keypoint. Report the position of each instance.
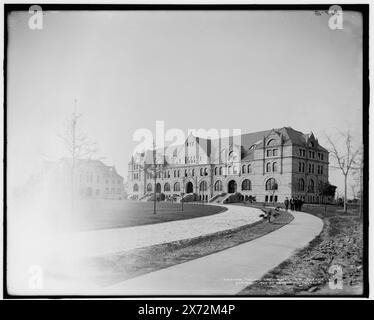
(229, 271)
(112, 241)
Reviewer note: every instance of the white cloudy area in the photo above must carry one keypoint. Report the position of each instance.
(248, 70)
(252, 71)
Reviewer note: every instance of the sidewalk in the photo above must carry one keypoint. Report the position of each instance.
(229, 271)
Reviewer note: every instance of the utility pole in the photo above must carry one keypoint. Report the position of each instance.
(73, 154)
(154, 177)
(183, 181)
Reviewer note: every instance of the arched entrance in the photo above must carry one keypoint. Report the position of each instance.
(158, 188)
(189, 187)
(232, 186)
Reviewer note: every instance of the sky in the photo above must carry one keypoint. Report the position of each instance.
(252, 70)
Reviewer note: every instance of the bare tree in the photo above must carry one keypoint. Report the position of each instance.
(77, 143)
(346, 159)
(78, 146)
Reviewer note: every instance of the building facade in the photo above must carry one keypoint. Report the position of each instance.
(90, 179)
(268, 165)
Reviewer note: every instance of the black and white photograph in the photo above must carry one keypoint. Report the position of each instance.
(186, 151)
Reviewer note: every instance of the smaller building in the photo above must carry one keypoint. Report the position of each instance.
(87, 179)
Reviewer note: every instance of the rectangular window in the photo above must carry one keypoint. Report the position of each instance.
(275, 152)
(268, 153)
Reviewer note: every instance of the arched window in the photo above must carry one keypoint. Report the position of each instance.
(167, 187)
(249, 168)
(206, 171)
(193, 172)
(232, 157)
(203, 186)
(135, 187)
(230, 170)
(201, 171)
(220, 171)
(177, 186)
(215, 171)
(246, 185)
(271, 184)
(149, 187)
(178, 174)
(311, 186)
(268, 167)
(218, 186)
(301, 184)
(271, 142)
(243, 169)
(275, 167)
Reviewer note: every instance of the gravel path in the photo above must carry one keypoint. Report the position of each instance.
(112, 241)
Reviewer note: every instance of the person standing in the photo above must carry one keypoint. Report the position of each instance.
(301, 203)
(286, 203)
(292, 203)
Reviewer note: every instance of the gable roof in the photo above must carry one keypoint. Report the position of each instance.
(246, 141)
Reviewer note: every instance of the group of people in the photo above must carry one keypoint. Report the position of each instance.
(294, 203)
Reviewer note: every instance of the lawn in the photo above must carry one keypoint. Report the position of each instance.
(108, 214)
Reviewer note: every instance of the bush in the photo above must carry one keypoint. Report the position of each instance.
(236, 197)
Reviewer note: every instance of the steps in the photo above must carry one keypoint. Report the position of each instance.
(219, 198)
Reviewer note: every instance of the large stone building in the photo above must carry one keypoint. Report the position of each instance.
(268, 165)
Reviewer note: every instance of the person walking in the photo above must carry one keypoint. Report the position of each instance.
(286, 203)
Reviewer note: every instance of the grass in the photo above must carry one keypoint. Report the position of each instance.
(101, 214)
(115, 268)
(307, 271)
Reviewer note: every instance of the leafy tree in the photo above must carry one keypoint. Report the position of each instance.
(326, 190)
